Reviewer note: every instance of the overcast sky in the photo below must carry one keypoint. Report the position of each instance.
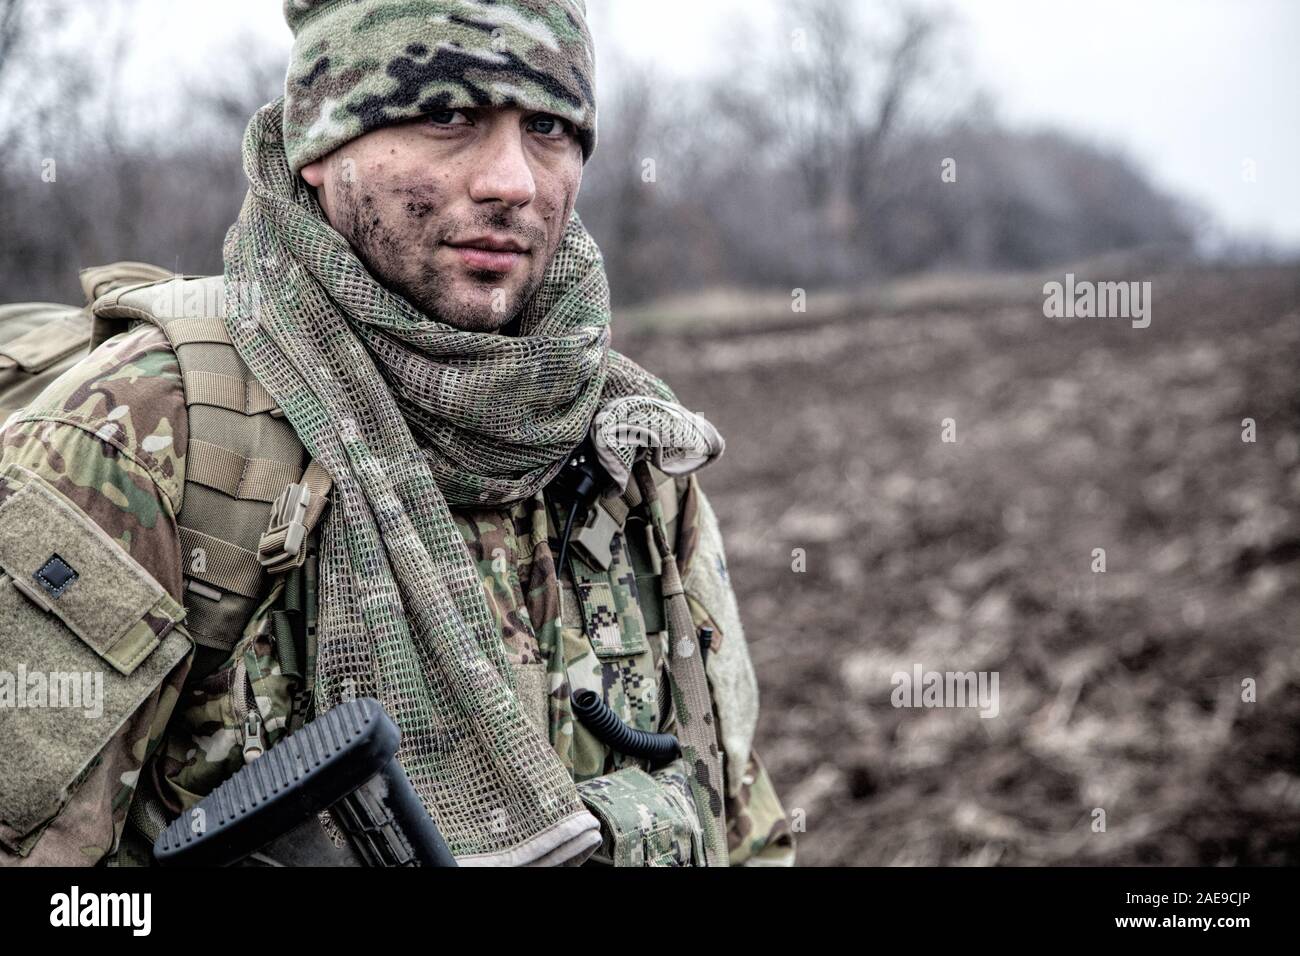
(1191, 88)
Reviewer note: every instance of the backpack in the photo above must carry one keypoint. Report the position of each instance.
(39, 341)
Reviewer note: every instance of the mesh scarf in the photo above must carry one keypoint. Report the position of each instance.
(411, 416)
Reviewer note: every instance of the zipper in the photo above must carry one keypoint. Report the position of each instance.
(246, 713)
(254, 743)
(239, 688)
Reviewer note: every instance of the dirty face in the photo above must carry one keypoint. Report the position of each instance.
(460, 212)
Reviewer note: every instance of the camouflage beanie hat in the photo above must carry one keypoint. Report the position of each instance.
(358, 65)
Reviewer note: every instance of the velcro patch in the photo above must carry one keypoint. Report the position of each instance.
(108, 600)
(55, 575)
(93, 642)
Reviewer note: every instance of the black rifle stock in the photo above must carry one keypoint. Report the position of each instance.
(343, 759)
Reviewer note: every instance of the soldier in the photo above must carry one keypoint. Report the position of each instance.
(390, 453)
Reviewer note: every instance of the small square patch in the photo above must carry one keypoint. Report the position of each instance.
(55, 575)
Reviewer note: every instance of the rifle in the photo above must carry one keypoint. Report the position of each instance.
(344, 759)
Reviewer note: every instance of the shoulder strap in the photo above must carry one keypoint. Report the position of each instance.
(606, 586)
(697, 724)
(609, 515)
(251, 495)
(98, 281)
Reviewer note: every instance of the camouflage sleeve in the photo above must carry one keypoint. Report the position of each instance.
(758, 831)
(110, 434)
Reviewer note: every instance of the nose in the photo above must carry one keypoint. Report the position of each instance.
(503, 173)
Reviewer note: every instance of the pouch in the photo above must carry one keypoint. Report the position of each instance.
(88, 641)
(646, 819)
(260, 693)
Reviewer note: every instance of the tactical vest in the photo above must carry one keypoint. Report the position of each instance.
(39, 341)
(245, 464)
(252, 499)
(243, 512)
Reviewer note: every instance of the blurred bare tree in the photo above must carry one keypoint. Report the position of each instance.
(87, 175)
(800, 159)
(11, 28)
(844, 89)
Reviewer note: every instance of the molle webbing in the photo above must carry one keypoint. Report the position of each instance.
(244, 479)
(241, 455)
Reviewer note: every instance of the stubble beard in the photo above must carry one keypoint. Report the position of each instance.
(435, 295)
(432, 292)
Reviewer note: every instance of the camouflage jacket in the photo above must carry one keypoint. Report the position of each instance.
(111, 435)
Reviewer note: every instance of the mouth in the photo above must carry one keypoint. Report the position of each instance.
(490, 253)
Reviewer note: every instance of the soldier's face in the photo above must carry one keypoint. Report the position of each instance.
(460, 212)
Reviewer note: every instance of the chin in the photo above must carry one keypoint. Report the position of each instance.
(476, 319)
(467, 303)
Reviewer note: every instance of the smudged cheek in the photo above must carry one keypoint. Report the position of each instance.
(379, 235)
(556, 213)
(419, 233)
(408, 240)
(418, 202)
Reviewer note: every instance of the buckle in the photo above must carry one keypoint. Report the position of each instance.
(281, 547)
(594, 537)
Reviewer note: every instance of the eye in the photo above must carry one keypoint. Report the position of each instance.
(552, 127)
(448, 118)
